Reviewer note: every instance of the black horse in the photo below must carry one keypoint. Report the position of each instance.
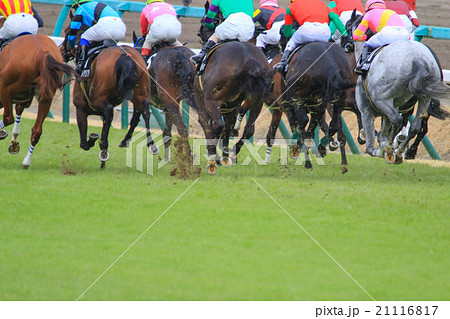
(319, 75)
(235, 72)
(171, 82)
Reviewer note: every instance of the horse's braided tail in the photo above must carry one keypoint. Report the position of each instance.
(126, 74)
(184, 70)
(423, 83)
(50, 78)
(259, 79)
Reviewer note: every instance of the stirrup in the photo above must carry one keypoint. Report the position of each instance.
(85, 74)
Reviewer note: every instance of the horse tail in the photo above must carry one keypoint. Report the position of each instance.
(422, 83)
(126, 74)
(258, 79)
(437, 111)
(50, 78)
(182, 67)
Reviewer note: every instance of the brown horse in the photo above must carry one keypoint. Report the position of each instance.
(171, 82)
(117, 73)
(30, 65)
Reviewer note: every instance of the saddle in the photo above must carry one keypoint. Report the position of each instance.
(366, 66)
(202, 65)
(94, 51)
(291, 55)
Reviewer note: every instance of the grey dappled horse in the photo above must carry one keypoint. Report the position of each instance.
(402, 70)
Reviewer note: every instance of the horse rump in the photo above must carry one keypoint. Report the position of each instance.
(421, 81)
(184, 71)
(126, 73)
(50, 77)
(259, 79)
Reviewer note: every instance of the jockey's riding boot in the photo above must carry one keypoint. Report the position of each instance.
(281, 66)
(196, 59)
(364, 55)
(2, 41)
(82, 52)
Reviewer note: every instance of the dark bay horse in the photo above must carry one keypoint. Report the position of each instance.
(117, 73)
(171, 82)
(31, 65)
(319, 75)
(235, 72)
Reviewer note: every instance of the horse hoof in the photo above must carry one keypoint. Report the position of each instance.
(361, 141)
(13, 148)
(211, 168)
(103, 155)
(25, 166)
(322, 151)
(309, 142)
(389, 156)
(295, 153)
(94, 136)
(399, 157)
(3, 134)
(362, 136)
(153, 149)
(334, 145)
(123, 144)
(225, 161)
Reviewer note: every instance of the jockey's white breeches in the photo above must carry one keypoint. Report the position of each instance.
(237, 26)
(344, 17)
(388, 35)
(271, 36)
(18, 23)
(164, 28)
(107, 28)
(408, 24)
(309, 32)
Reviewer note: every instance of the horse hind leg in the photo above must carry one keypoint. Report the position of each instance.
(14, 147)
(36, 131)
(107, 119)
(133, 123)
(411, 152)
(152, 147)
(274, 123)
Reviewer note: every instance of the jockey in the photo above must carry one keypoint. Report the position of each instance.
(159, 23)
(408, 15)
(98, 22)
(19, 19)
(386, 24)
(344, 9)
(238, 23)
(313, 16)
(271, 17)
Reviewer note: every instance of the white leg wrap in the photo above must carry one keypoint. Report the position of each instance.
(269, 150)
(27, 159)
(16, 129)
(237, 125)
(2, 125)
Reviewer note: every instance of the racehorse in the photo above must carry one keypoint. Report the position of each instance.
(400, 74)
(171, 81)
(30, 65)
(117, 73)
(235, 71)
(319, 75)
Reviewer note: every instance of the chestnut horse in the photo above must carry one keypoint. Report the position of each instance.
(117, 73)
(30, 65)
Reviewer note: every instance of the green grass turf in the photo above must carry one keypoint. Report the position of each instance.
(225, 239)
